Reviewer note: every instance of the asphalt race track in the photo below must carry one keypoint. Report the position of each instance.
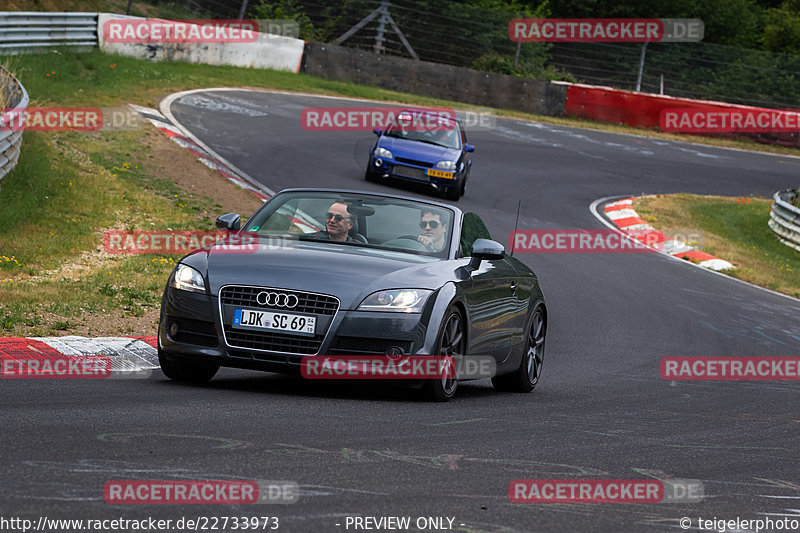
(600, 411)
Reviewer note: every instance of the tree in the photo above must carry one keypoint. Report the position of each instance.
(782, 30)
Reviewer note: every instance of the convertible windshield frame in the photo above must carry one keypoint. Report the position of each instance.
(302, 219)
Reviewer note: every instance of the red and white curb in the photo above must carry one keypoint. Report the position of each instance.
(131, 357)
(622, 214)
(157, 119)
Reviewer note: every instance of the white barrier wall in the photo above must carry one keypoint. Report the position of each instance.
(11, 138)
(269, 51)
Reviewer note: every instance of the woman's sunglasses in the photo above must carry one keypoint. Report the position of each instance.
(424, 224)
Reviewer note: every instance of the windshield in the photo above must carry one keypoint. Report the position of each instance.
(444, 132)
(357, 220)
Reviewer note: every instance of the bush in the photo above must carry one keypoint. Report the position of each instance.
(524, 69)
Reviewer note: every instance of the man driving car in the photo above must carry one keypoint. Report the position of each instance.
(338, 223)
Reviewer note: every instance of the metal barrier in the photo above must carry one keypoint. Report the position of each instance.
(10, 140)
(785, 218)
(27, 31)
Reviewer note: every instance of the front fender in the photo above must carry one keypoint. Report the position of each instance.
(445, 297)
(514, 358)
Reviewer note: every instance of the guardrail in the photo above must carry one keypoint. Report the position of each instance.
(25, 31)
(10, 140)
(785, 218)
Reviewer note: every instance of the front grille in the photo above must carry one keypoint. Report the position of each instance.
(318, 304)
(361, 346)
(413, 162)
(273, 342)
(192, 331)
(411, 172)
(321, 305)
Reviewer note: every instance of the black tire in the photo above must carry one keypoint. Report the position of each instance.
(370, 176)
(525, 378)
(186, 371)
(454, 193)
(452, 341)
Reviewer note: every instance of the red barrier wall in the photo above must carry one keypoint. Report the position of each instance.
(604, 104)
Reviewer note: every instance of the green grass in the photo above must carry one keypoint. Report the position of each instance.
(51, 208)
(124, 288)
(96, 79)
(734, 229)
(67, 189)
(55, 205)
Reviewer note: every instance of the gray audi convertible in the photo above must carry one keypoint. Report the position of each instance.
(316, 273)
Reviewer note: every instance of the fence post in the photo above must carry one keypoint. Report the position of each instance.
(641, 68)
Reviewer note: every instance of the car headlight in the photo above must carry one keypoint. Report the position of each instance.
(188, 279)
(447, 165)
(396, 301)
(383, 152)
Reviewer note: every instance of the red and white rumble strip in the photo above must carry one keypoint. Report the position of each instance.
(622, 214)
(75, 357)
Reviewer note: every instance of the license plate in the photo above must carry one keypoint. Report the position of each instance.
(440, 173)
(268, 320)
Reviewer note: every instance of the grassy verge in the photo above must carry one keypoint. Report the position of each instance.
(71, 187)
(734, 229)
(68, 189)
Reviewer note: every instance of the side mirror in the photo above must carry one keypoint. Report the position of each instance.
(485, 249)
(469, 148)
(229, 222)
(377, 131)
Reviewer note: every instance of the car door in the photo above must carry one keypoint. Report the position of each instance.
(496, 310)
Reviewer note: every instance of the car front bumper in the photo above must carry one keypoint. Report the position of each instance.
(391, 169)
(200, 335)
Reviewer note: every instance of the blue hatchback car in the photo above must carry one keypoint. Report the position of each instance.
(435, 154)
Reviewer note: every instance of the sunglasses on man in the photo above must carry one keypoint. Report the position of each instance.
(424, 224)
(337, 217)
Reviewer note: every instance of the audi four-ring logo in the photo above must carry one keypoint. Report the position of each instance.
(277, 299)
